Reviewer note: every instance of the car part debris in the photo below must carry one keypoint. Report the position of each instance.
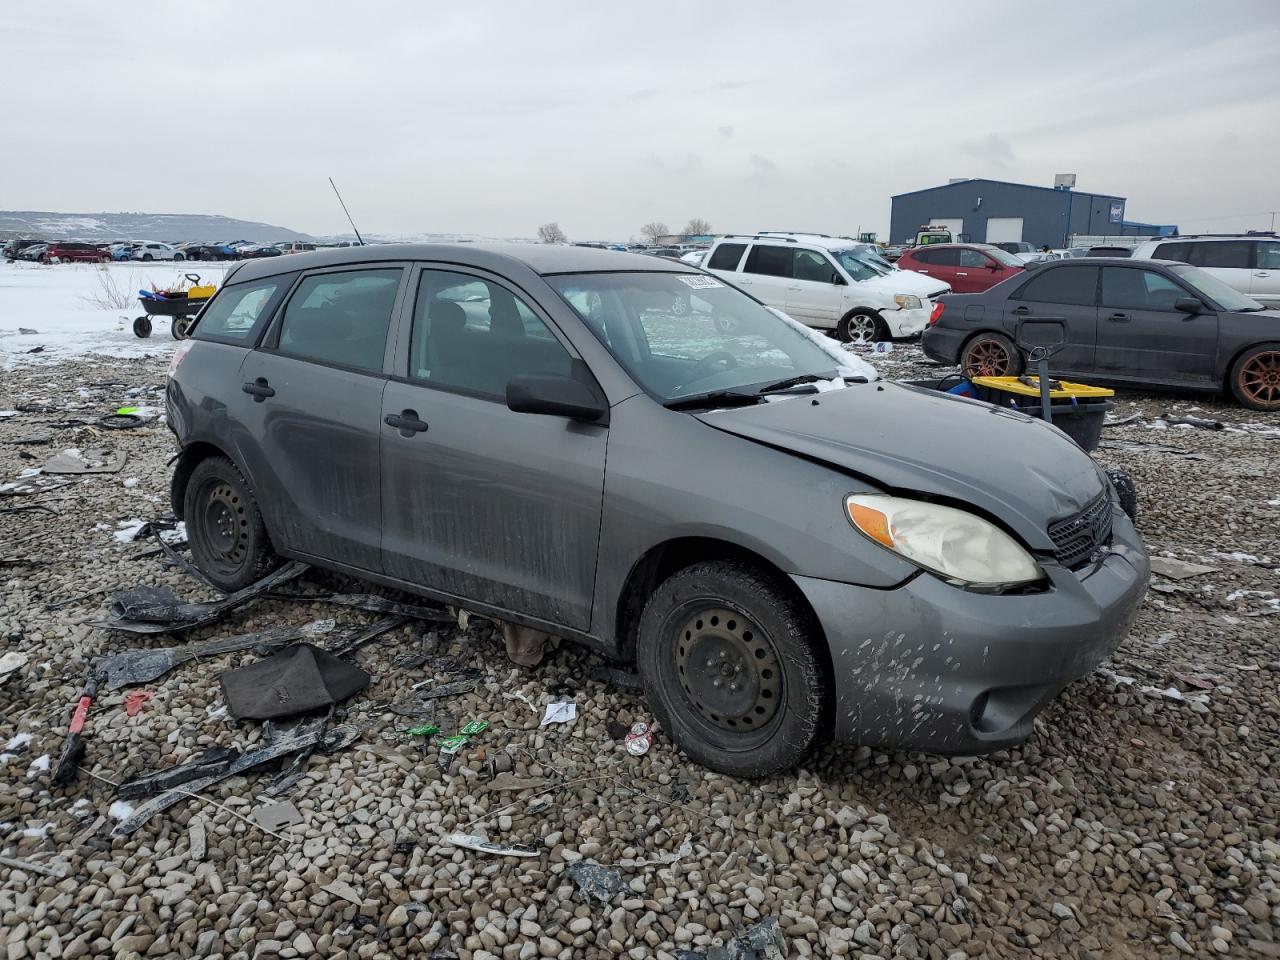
(298, 679)
(54, 868)
(469, 841)
(343, 891)
(345, 647)
(133, 701)
(1179, 569)
(1121, 421)
(764, 941)
(304, 736)
(143, 666)
(212, 761)
(372, 604)
(276, 815)
(170, 615)
(596, 881)
(73, 748)
(10, 663)
(639, 740)
(1198, 422)
(564, 711)
(92, 460)
(1140, 446)
(617, 677)
(419, 702)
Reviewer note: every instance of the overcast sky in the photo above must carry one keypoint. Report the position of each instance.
(493, 118)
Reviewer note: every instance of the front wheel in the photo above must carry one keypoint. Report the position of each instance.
(861, 326)
(228, 538)
(990, 355)
(1255, 378)
(180, 328)
(731, 669)
(147, 257)
(178, 257)
(142, 327)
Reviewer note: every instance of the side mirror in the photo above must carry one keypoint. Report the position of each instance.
(837, 279)
(555, 395)
(1188, 305)
(992, 265)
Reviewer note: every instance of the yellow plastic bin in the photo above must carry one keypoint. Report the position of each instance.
(1078, 408)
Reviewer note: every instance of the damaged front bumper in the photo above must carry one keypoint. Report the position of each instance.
(908, 323)
(932, 667)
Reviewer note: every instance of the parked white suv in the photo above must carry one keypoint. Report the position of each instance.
(151, 250)
(1249, 262)
(824, 282)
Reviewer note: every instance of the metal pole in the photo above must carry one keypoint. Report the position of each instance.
(1045, 406)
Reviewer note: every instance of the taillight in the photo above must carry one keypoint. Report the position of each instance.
(936, 313)
(180, 351)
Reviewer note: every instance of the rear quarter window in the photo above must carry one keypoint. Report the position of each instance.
(238, 312)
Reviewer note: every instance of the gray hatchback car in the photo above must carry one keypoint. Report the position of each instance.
(635, 455)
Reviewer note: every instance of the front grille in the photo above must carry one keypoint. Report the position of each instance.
(1076, 538)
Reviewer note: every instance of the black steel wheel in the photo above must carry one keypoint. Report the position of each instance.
(142, 327)
(731, 669)
(224, 527)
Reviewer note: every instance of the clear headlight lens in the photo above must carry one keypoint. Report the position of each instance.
(907, 302)
(952, 543)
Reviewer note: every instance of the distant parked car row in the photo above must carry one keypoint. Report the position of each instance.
(76, 251)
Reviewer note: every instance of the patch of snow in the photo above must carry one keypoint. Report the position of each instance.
(28, 473)
(18, 741)
(130, 481)
(120, 810)
(38, 766)
(128, 529)
(38, 833)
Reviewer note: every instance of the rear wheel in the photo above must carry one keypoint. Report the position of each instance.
(1255, 377)
(179, 256)
(731, 669)
(142, 327)
(861, 326)
(147, 256)
(228, 538)
(990, 355)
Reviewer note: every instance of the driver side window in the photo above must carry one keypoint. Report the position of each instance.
(813, 266)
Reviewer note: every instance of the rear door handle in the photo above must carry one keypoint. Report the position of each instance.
(921, 270)
(406, 421)
(1262, 273)
(259, 389)
(1119, 318)
(959, 274)
(1020, 311)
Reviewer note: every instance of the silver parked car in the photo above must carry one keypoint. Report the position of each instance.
(789, 549)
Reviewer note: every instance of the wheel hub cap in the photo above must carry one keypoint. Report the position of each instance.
(1260, 378)
(225, 526)
(728, 670)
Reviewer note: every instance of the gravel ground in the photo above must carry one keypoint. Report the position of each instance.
(1140, 820)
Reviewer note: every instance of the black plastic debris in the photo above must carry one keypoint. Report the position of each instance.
(213, 761)
(143, 666)
(343, 647)
(419, 702)
(120, 421)
(761, 942)
(296, 680)
(157, 610)
(374, 604)
(596, 881)
(680, 793)
(301, 738)
(617, 677)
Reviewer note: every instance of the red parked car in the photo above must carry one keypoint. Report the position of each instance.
(84, 252)
(968, 267)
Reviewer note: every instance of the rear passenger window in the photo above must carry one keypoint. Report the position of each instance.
(945, 258)
(474, 335)
(726, 257)
(1173, 251)
(341, 318)
(769, 261)
(1071, 285)
(234, 314)
(1226, 254)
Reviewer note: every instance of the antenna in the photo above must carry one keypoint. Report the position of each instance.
(346, 211)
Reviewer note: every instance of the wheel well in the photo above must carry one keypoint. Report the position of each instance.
(1231, 364)
(667, 558)
(188, 460)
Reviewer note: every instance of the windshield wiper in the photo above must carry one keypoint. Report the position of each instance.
(714, 397)
(792, 382)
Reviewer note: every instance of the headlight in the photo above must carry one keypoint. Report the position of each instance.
(951, 543)
(907, 302)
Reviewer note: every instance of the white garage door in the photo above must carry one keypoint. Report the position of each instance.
(955, 226)
(1004, 229)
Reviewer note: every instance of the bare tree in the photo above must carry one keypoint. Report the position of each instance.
(697, 227)
(652, 231)
(551, 233)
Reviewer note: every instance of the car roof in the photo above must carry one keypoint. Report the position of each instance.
(781, 239)
(541, 258)
(956, 246)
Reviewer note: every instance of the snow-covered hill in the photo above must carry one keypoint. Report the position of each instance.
(139, 226)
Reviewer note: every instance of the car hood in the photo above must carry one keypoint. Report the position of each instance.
(909, 439)
(910, 281)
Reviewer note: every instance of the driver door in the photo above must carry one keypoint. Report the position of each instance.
(813, 296)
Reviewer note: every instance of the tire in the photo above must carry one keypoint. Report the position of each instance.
(180, 327)
(991, 354)
(1255, 378)
(1126, 491)
(178, 257)
(861, 325)
(142, 327)
(228, 539)
(762, 642)
(147, 257)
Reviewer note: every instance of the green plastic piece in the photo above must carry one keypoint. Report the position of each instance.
(426, 730)
(474, 727)
(451, 744)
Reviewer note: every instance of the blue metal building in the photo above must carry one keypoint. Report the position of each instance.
(990, 211)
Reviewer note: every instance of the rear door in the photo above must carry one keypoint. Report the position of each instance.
(814, 295)
(1264, 285)
(1141, 337)
(1069, 292)
(767, 273)
(942, 263)
(311, 401)
(479, 502)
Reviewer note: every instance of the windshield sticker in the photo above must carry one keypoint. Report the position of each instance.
(700, 282)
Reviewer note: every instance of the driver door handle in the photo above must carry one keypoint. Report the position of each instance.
(1119, 318)
(259, 389)
(406, 421)
(1262, 273)
(1020, 311)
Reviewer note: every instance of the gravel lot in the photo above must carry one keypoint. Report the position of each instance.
(1139, 821)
